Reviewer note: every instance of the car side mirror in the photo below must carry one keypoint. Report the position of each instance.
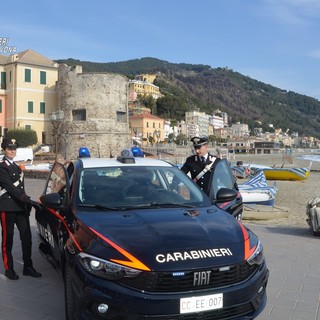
(51, 200)
(226, 195)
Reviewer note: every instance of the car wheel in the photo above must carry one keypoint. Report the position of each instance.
(68, 295)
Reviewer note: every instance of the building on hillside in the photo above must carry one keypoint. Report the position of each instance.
(139, 87)
(210, 130)
(170, 130)
(27, 93)
(240, 130)
(182, 127)
(93, 111)
(150, 78)
(148, 127)
(137, 108)
(197, 118)
(216, 121)
(222, 133)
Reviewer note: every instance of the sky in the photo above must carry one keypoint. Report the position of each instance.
(274, 41)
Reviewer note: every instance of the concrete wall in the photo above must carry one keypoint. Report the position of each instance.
(103, 99)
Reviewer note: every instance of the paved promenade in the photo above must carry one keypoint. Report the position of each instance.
(292, 253)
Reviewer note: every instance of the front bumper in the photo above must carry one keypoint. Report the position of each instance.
(241, 301)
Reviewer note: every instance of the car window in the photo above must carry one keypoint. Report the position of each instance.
(222, 177)
(57, 182)
(127, 186)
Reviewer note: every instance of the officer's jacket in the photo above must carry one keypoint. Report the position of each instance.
(194, 165)
(13, 196)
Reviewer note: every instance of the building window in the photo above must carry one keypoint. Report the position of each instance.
(30, 106)
(153, 125)
(79, 115)
(27, 127)
(0, 107)
(3, 81)
(42, 107)
(121, 116)
(27, 75)
(43, 77)
(147, 124)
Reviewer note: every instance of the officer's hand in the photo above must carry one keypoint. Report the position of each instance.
(35, 204)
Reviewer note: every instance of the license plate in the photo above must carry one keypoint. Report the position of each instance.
(202, 303)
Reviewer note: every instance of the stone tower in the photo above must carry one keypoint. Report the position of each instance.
(93, 111)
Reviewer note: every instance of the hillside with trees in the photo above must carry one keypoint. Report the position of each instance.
(189, 87)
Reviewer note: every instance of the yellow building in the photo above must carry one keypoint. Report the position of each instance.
(28, 93)
(143, 86)
(146, 77)
(147, 127)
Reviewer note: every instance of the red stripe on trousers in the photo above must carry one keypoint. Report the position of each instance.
(4, 240)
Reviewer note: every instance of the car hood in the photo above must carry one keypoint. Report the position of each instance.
(166, 238)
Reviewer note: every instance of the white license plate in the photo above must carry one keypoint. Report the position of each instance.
(202, 303)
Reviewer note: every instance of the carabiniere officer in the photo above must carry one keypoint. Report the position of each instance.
(15, 207)
(201, 164)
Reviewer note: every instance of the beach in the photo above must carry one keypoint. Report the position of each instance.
(292, 196)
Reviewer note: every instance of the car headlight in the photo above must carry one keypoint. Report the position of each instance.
(257, 255)
(105, 269)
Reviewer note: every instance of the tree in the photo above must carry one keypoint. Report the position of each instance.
(181, 139)
(23, 137)
(148, 101)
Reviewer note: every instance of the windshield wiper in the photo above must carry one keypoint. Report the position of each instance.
(99, 207)
(168, 204)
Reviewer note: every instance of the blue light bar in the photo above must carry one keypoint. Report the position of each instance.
(84, 152)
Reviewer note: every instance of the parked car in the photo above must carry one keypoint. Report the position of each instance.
(135, 238)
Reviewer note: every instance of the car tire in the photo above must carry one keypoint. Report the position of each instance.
(68, 295)
(314, 232)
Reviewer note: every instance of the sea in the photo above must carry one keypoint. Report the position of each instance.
(310, 157)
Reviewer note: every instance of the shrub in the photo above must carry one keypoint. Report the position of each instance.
(23, 137)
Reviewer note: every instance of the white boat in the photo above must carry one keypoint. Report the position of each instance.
(258, 196)
(257, 191)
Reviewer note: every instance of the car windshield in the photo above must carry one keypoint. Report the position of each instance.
(124, 187)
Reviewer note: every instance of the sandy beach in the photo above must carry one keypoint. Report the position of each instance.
(292, 196)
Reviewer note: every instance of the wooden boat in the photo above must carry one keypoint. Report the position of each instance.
(287, 173)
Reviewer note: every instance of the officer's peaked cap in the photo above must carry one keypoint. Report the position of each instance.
(198, 142)
(9, 143)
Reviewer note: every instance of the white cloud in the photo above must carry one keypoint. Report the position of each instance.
(314, 54)
(298, 13)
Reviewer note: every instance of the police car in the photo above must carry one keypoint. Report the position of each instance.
(135, 238)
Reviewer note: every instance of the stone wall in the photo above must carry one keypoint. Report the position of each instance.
(102, 97)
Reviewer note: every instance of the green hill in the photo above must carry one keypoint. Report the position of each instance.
(189, 87)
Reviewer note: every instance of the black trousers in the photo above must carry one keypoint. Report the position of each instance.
(21, 220)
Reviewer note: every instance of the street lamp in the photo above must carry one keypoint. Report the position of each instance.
(55, 118)
(157, 134)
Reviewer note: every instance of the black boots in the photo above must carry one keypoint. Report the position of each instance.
(30, 271)
(27, 271)
(11, 274)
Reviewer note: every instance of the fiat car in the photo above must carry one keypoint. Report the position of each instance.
(135, 238)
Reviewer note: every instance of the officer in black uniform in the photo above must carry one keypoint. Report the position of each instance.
(15, 208)
(200, 165)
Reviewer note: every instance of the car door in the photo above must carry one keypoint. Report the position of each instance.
(51, 220)
(222, 177)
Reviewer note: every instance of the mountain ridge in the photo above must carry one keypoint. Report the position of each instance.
(189, 87)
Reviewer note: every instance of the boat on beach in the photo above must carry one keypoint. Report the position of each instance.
(293, 174)
(257, 191)
(258, 196)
